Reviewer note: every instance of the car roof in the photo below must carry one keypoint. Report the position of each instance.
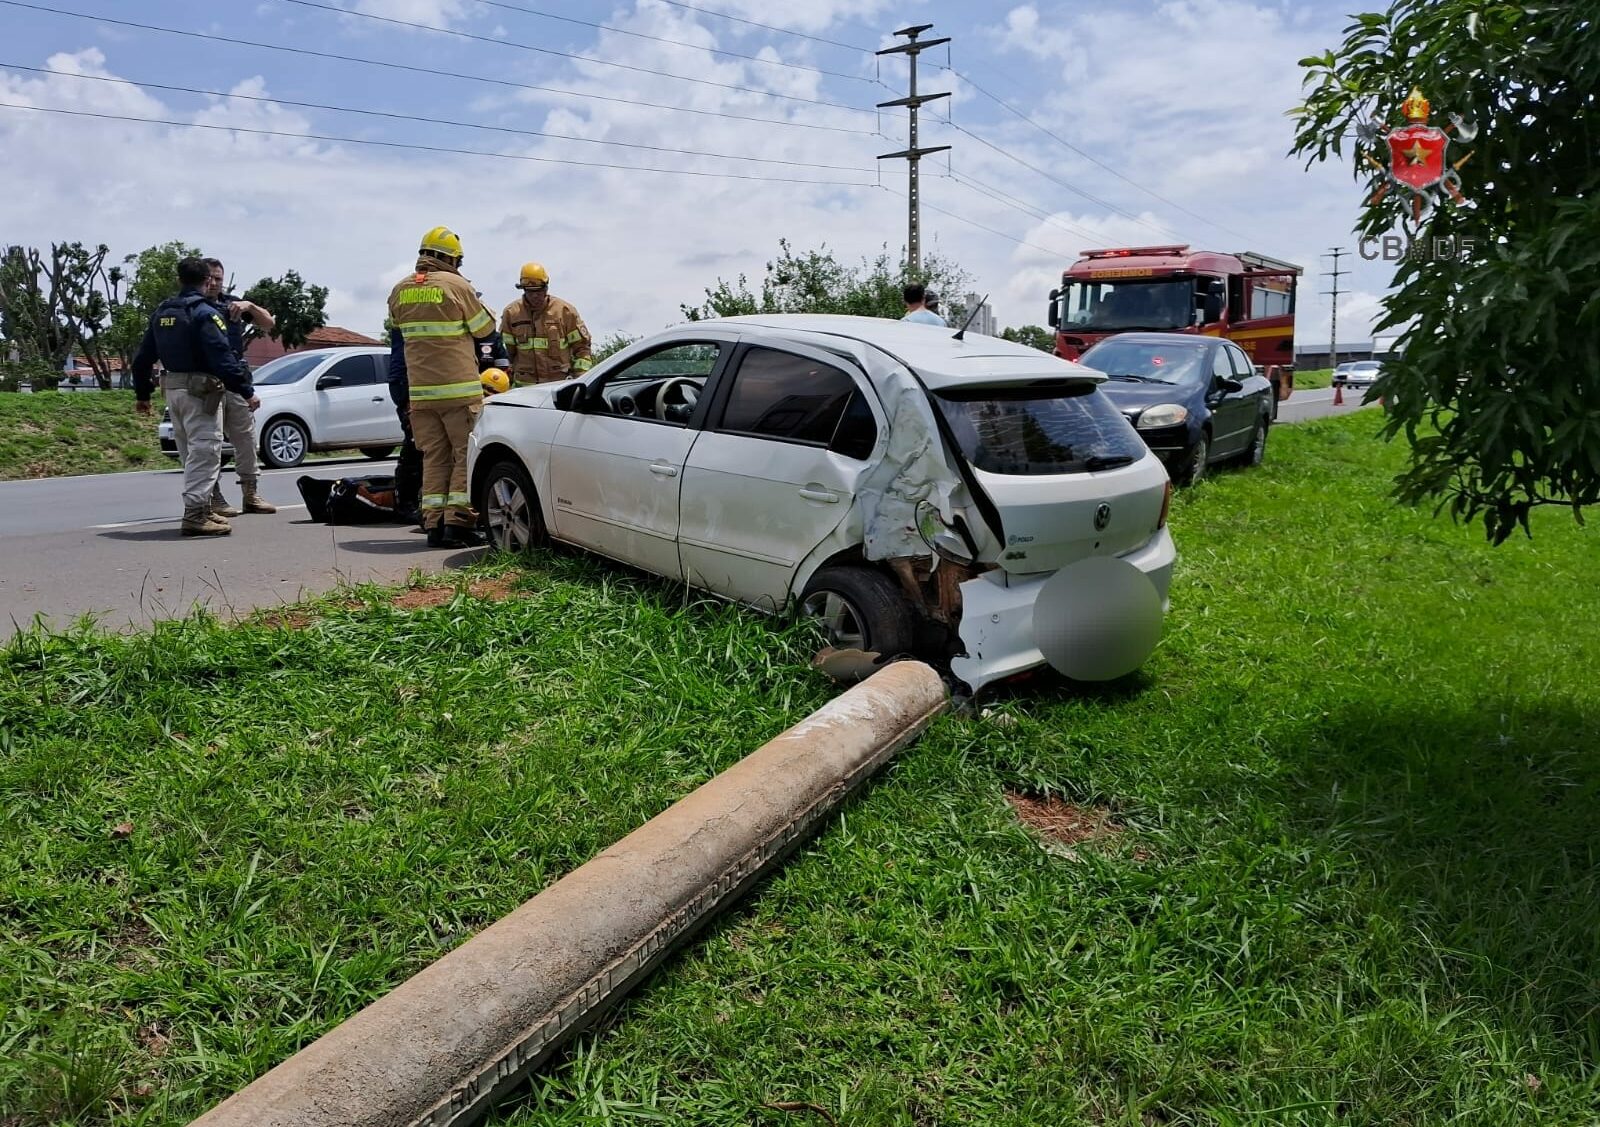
(1192, 339)
(930, 350)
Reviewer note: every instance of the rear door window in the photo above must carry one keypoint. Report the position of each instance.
(782, 395)
(1036, 431)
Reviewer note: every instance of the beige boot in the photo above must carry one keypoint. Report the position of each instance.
(202, 521)
(253, 501)
(219, 503)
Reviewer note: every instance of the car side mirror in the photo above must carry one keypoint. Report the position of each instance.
(1212, 307)
(571, 398)
(329, 380)
(1229, 385)
(1053, 317)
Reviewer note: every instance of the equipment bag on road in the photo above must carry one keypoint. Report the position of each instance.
(350, 500)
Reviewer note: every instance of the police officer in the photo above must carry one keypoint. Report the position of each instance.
(190, 338)
(238, 421)
(408, 468)
(544, 335)
(442, 325)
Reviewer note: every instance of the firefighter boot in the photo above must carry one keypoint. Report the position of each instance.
(219, 503)
(203, 521)
(253, 501)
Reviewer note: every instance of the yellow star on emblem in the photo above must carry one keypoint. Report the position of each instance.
(1416, 153)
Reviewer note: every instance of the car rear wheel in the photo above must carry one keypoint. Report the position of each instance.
(377, 453)
(1195, 461)
(1257, 451)
(510, 508)
(284, 443)
(860, 608)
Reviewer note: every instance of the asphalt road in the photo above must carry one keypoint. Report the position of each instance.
(108, 545)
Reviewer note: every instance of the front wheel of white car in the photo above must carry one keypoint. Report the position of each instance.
(861, 609)
(510, 508)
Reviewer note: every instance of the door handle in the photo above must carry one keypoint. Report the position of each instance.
(663, 470)
(820, 495)
(377, 399)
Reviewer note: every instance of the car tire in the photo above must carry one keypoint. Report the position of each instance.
(377, 453)
(510, 508)
(284, 443)
(1256, 452)
(1196, 460)
(860, 608)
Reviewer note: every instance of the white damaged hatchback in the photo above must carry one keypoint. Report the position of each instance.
(969, 500)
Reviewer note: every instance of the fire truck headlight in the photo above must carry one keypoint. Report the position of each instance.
(1162, 415)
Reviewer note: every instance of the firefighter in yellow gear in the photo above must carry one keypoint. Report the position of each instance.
(446, 333)
(544, 336)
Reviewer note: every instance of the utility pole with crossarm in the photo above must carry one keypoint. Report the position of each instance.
(911, 48)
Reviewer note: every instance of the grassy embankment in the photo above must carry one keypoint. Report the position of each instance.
(53, 434)
(1332, 856)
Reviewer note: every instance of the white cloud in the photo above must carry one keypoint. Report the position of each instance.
(433, 13)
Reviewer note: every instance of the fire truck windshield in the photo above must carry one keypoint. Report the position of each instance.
(1128, 303)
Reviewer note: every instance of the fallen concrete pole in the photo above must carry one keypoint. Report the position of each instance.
(447, 1043)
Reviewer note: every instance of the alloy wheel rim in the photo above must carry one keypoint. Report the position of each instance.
(285, 444)
(510, 519)
(839, 619)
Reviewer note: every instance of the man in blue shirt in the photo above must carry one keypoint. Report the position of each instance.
(917, 305)
(188, 335)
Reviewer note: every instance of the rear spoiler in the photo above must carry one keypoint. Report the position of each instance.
(1054, 382)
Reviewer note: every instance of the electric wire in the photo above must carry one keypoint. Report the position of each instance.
(273, 100)
(414, 69)
(767, 26)
(429, 148)
(672, 42)
(413, 25)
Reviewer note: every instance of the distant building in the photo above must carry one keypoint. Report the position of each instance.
(263, 349)
(984, 321)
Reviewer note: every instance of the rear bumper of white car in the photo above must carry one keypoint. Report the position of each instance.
(998, 614)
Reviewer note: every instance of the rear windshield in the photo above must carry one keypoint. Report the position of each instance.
(1026, 431)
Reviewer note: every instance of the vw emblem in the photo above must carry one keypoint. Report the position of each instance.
(1102, 517)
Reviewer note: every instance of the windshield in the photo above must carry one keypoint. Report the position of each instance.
(285, 369)
(1030, 431)
(1166, 303)
(1148, 362)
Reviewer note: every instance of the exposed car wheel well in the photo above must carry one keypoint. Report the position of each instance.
(487, 457)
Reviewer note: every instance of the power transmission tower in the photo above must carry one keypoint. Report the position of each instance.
(912, 48)
(1335, 253)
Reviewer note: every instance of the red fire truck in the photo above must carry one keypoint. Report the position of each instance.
(1245, 297)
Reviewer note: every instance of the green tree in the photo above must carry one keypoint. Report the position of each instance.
(1034, 336)
(1497, 388)
(298, 309)
(616, 342)
(51, 307)
(817, 282)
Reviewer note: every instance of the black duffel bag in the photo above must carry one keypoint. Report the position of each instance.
(350, 500)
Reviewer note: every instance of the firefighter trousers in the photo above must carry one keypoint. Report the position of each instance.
(442, 430)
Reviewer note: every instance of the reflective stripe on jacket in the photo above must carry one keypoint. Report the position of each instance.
(439, 318)
(552, 346)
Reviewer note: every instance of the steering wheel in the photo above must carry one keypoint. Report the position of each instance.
(689, 393)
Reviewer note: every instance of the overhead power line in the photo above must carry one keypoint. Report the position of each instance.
(272, 100)
(975, 223)
(411, 145)
(413, 25)
(1016, 204)
(767, 26)
(1091, 158)
(1073, 188)
(410, 68)
(671, 42)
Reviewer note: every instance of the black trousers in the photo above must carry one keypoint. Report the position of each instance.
(408, 470)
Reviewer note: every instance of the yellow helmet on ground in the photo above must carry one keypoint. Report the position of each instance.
(494, 381)
(532, 274)
(441, 240)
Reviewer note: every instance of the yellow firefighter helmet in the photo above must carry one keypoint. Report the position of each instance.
(494, 381)
(532, 274)
(441, 240)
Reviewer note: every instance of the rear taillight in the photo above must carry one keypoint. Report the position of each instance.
(1166, 500)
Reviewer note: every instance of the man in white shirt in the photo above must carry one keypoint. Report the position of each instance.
(916, 299)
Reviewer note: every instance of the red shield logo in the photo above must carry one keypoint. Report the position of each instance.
(1416, 155)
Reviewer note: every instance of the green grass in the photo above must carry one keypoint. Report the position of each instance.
(1356, 880)
(1314, 378)
(51, 434)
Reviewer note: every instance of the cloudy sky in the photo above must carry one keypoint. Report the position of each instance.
(642, 149)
